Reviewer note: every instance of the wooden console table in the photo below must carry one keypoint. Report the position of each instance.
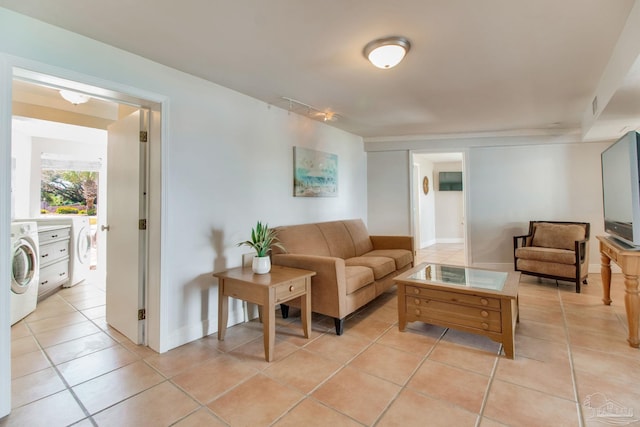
(280, 285)
(629, 262)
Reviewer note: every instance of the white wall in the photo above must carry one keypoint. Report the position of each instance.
(388, 193)
(21, 174)
(509, 185)
(512, 185)
(228, 164)
(427, 204)
(449, 207)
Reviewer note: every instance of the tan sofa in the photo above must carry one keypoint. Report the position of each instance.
(352, 267)
(554, 249)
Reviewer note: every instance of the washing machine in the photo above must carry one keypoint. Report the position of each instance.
(25, 260)
(79, 246)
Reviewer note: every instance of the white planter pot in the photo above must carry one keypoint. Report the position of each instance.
(261, 265)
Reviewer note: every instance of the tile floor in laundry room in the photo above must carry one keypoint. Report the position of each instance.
(572, 357)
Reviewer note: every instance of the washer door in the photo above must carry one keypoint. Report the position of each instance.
(24, 266)
(83, 246)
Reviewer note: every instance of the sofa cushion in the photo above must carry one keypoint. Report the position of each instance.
(304, 239)
(401, 257)
(560, 256)
(358, 277)
(560, 236)
(381, 266)
(360, 236)
(338, 239)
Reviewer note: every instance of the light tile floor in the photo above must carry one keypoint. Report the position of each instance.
(70, 368)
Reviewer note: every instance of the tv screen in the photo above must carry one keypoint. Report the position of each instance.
(450, 181)
(621, 188)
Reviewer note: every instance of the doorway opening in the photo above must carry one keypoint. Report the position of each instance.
(439, 207)
(83, 136)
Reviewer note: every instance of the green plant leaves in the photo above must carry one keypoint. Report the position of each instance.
(262, 239)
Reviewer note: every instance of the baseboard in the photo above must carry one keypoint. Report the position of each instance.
(196, 331)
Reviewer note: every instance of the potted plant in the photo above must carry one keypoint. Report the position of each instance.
(262, 239)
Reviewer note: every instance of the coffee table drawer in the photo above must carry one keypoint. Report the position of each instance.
(457, 298)
(290, 290)
(438, 312)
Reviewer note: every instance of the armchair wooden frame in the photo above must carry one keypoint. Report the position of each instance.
(580, 248)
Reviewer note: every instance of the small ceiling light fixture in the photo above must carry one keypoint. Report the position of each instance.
(74, 97)
(387, 52)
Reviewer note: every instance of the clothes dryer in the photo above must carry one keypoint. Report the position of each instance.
(25, 261)
(79, 246)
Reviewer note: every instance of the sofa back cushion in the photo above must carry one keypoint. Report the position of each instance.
(306, 239)
(559, 236)
(338, 239)
(359, 235)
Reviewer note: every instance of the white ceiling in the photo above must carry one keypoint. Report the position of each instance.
(489, 66)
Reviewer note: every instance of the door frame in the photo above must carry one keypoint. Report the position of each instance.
(159, 105)
(415, 191)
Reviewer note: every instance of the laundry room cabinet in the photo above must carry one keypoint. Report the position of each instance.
(54, 258)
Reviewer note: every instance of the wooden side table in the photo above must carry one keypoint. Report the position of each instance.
(280, 285)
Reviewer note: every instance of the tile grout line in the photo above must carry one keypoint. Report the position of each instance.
(404, 386)
(573, 371)
(489, 384)
(64, 381)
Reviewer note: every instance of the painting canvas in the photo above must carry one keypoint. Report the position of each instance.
(315, 173)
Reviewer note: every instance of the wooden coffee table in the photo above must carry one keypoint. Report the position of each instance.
(280, 285)
(478, 301)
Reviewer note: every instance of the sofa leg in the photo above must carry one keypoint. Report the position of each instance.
(577, 286)
(584, 282)
(339, 325)
(285, 310)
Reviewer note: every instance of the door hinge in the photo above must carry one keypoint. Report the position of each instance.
(143, 136)
(142, 314)
(142, 224)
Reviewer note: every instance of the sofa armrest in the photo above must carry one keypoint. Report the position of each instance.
(328, 286)
(392, 242)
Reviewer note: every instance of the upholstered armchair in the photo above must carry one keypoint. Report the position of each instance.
(555, 250)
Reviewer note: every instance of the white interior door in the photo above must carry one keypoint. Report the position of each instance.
(126, 206)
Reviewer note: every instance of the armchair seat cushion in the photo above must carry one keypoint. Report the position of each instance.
(381, 266)
(402, 257)
(560, 256)
(357, 277)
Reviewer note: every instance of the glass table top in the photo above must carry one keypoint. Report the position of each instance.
(461, 276)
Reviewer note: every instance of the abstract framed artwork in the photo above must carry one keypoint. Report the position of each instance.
(315, 173)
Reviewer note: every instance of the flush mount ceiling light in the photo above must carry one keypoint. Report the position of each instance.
(387, 52)
(74, 97)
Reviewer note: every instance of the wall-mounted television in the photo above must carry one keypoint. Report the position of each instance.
(450, 181)
(621, 189)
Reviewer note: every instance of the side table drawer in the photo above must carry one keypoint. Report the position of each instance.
(456, 298)
(290, 290)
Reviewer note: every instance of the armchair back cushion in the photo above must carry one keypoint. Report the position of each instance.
(558, 236)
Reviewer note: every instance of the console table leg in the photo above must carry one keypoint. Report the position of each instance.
(632, 306)
(605, 272)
